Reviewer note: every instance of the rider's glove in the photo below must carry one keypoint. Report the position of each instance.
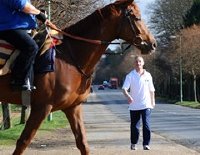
(42, 17)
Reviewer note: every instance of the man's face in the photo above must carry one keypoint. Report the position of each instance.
(139, 63)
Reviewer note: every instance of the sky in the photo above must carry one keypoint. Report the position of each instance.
(143, 4)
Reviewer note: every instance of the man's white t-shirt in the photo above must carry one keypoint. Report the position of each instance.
(140, 88)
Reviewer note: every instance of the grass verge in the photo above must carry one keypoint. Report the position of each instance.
(8, 137)
(190, 104)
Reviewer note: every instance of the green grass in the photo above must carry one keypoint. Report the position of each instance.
(165, 100)
(8, 137)
(190, 104)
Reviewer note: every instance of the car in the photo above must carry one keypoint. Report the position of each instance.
(105, 84)
(101, 87)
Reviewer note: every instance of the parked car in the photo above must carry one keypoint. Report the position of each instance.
(105, 84)
(113, 83)
(101, 87)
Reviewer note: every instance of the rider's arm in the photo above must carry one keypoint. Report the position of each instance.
(30, 9)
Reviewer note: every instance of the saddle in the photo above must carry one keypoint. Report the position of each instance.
(46, 40)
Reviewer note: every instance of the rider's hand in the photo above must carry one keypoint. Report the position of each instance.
(48, 23)
(42, 17)
(51, 25)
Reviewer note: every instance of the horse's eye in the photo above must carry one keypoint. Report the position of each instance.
(138, 18)
(128, 12)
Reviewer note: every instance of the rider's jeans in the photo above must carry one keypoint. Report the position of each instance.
(28, 47)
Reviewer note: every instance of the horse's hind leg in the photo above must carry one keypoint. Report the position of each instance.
(34, 121)
(75, 118)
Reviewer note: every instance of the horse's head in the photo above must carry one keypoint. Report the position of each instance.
(131, 28)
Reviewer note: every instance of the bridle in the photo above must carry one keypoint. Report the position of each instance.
(134, 29)
(127, 15)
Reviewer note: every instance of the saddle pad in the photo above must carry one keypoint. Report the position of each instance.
(6, 50)
(45, 63)
(45, 59)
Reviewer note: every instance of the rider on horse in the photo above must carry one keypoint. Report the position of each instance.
(18, 16)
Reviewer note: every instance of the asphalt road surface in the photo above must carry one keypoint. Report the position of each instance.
(176, 130)
(176, 123)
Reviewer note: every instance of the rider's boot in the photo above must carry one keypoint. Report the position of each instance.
(21, 81)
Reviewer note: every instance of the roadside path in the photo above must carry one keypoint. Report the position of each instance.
(107, 132)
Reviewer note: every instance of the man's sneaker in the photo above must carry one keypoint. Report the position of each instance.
(146, 147)
(133, 147)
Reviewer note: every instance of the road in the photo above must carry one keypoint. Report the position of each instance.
(175, 130)
(176, 123)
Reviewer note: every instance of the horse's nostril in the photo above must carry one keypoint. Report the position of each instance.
(154, 45)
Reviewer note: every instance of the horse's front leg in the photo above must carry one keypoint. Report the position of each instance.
(75, 118)
(34, 121)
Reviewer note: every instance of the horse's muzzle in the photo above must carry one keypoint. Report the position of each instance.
(147, 47)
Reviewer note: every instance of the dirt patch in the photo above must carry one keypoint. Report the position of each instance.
(56, 139)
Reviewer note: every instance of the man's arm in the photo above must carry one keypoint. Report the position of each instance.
(152, 94)
(128, 96)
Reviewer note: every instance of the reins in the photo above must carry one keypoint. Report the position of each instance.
(97, 42)
(92, 41)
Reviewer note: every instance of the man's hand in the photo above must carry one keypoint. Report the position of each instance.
(130, 100)
(153, 104)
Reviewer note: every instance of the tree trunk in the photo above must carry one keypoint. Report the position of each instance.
(195, 85)
(6, 116)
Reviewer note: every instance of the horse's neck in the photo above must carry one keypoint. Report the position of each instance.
(88, 54)
(85, 55)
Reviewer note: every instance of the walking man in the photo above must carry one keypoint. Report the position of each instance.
(141, 101)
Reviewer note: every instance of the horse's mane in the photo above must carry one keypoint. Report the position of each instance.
(90, 22)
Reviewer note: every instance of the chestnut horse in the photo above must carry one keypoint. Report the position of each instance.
(69, 85)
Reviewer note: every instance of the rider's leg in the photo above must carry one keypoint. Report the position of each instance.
(23, 68)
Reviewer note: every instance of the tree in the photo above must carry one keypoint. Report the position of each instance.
(193, 14)
(119, 65)
(189, 49)
(167, 18)
(67, 12)
(191, 55)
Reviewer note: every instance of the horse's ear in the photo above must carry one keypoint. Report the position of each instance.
(130, 1)
(123, 3)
